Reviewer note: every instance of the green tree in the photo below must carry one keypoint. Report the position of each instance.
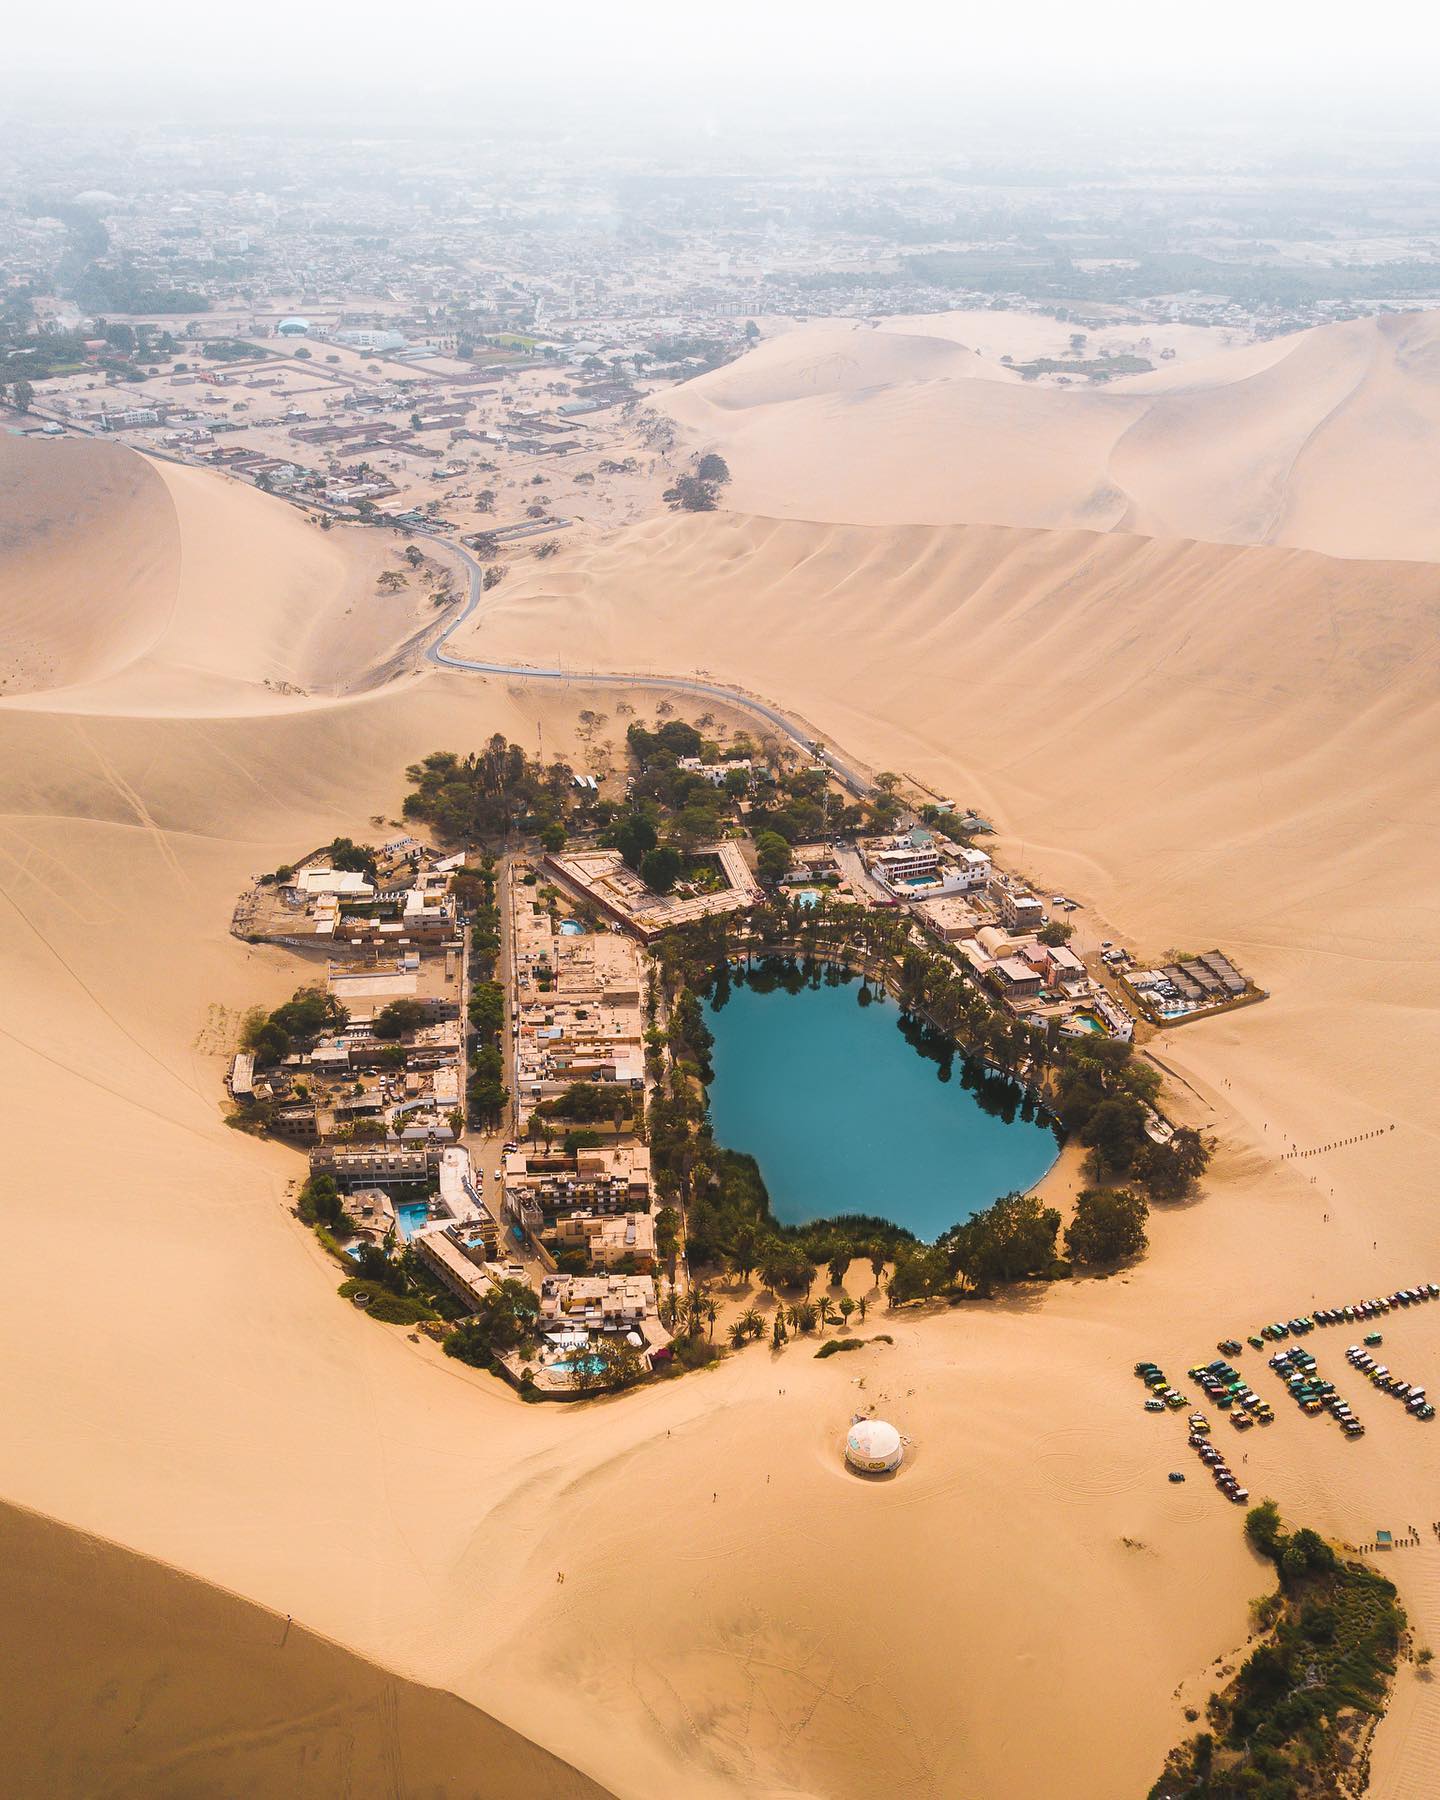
(400, 1018)
(690, 494)
(24, 393)
(1114, 1133)
(633, 836)
(1170, 1169)
(505, 1319)
(660, 868)
(1006, 1242)
(744, 1247)
(1108, 1225)
(772, 856)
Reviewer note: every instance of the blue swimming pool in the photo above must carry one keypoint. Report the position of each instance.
(571, 928)
(412, 1215)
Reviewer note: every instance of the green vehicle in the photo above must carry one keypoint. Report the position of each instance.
(1374, 1337)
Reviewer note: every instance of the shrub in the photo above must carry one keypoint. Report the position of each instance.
(389, 1308)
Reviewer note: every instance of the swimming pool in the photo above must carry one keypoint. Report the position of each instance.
(571, 928)
(593, 1365)
(412, 1214)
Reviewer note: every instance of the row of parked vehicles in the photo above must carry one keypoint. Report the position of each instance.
(1346, 1315)
(1230, 1391)
(1214, 1460)
(1413, 1397)
(1296, 1368)
(1162, 1395)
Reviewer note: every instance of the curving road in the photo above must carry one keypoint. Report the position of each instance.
(849, 777)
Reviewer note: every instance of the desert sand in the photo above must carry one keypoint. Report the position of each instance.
(1316, 440)
(1209, 743)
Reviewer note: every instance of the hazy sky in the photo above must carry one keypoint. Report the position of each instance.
(731, 47)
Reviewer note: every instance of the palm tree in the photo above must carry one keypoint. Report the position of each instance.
(861, 1305)
(751, 1322)
(710, 1311)
(737, 1334)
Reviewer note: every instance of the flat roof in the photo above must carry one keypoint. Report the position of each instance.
(379, 985)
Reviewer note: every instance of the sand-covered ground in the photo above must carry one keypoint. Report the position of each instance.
(1315, 440)
(1208, 744)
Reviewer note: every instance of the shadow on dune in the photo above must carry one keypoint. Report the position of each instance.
(121, 1676)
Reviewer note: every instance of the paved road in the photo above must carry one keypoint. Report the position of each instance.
(438, 653)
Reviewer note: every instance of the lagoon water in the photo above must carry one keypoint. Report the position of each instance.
(844, 1115)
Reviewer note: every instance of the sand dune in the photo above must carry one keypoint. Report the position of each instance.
(1321, 441)
(1210, 743)
(135, 586)
(147, 1683)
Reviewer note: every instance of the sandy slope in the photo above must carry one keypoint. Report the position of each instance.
(147, 1683)
(1212, 744)
(1323, 440)
(130, 585)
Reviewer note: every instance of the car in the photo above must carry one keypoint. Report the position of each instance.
(1241, 1421)
(1255, 1341)
(1177, 1474)
(1228, 1347)
(1154, 1406)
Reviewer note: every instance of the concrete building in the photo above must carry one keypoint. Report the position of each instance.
(609, 1240)
(951, 919)
(601, 879)
(543, 1187)
(358, 338)
(974, 868)
(715, 773)
(596, 1302)
(1021, 911)
(1016, 979)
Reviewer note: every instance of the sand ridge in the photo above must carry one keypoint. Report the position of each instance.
(1321, 440)
(136, 586)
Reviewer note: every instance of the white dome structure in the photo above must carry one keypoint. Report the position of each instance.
(296, 327)
(873, 1447)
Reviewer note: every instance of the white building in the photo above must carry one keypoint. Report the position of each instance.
(974, 867)
(873, 1447)
(354, 338)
